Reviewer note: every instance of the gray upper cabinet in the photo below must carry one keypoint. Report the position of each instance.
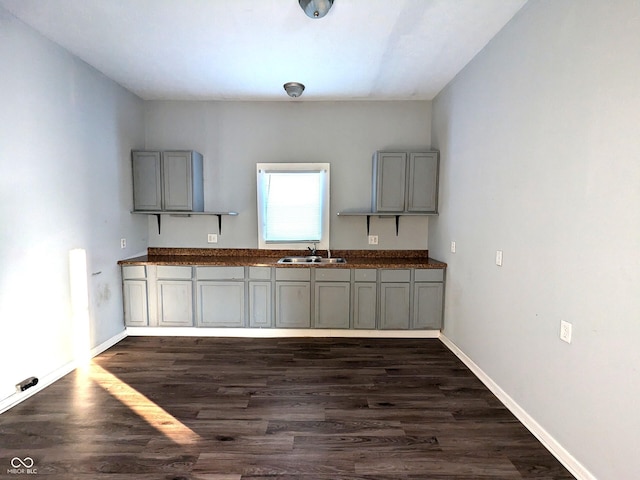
(422, 182)
(389, 181)
(167, 181)
(182, 181)
(147, 180)
(405, 182)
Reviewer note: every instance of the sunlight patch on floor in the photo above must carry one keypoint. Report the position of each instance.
(151, 412)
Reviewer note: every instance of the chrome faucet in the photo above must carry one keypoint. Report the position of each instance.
(313, 250)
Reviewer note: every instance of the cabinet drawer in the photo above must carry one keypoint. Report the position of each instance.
(395, 275)
(366, 275)
(429, 275)
(300, 274)
(165, 271)
(260, 273)
(220, 273)
(134, 272)
(333, 275)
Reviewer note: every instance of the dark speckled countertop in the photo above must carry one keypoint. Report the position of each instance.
(269, 258)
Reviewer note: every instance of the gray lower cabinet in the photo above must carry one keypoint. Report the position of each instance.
(428, 298)
(220, 297)
(332, 299)
(174, 289)
(260, 292)
(293, 298)
(134, 292)
(266, 297)
(365, 297)
(395, 295)
(135, 303)
(260, 304)
(175, 303)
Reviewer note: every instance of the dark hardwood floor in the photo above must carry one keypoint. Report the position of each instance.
(258, 409)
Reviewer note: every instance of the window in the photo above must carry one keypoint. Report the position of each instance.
(293, 205)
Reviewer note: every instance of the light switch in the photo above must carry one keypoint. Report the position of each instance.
(499, 258)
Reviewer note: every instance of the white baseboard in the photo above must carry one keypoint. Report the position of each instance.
(43, 383)
(275, 332)
(569, 461)
(56, 375)
(108, 343)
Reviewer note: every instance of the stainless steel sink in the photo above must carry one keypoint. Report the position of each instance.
(334, 260)
(312, 259)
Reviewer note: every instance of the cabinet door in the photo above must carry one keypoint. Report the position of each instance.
(390, 177)
(175, 303)
(364, 305)
(220, 304)
(177, 180)
(293, 304)
(260, 304)
(427, 305)
(422, 182)
(147, 180)
(135, 303)
(332, 304)
(394, 306)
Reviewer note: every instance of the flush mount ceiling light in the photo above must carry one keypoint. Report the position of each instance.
(316, 8)
(293, 89)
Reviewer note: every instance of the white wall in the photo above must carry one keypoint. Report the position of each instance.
(541, 159)
(65, 136)
(234, 136)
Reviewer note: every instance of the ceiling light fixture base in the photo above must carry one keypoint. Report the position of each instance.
(293, 89)
(315, 8)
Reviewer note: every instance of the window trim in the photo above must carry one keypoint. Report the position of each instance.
(323, 244)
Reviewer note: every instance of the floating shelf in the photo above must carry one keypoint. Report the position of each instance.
(397, 216)
(184, 214)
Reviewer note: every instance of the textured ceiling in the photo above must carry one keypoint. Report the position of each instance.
(247, 49)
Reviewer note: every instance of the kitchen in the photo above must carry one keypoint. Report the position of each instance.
(537, 160)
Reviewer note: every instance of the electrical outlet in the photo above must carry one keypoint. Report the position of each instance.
(499, 258)
(212, 238)
(373, 239)
(565, 331)
(453, 247)
(123, 243)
